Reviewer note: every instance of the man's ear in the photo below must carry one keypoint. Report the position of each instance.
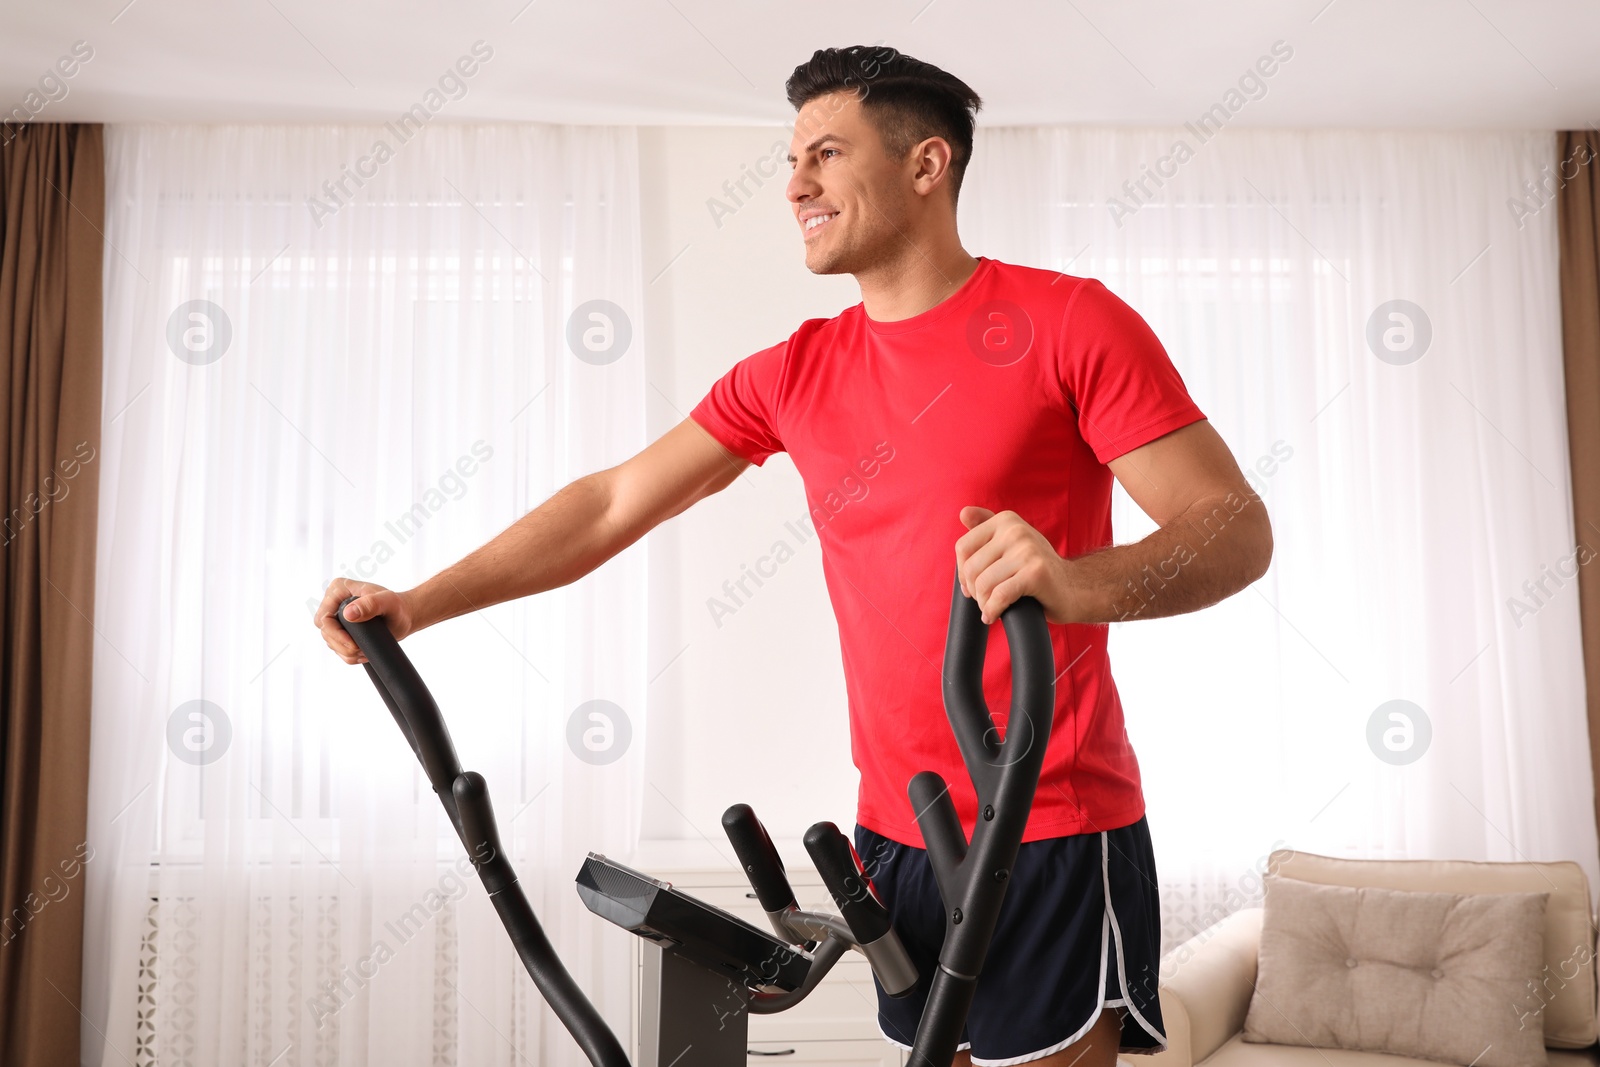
(934, 153)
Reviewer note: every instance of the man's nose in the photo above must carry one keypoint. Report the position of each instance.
(801, 186)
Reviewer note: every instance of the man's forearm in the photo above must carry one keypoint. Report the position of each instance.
(556, 543)
(1207, 554)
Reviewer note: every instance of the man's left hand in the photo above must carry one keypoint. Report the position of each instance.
(1001, 558)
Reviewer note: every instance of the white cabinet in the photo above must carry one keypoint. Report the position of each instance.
(838, 1023)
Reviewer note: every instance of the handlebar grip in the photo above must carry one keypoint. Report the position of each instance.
(836, 860)
(1033, 672)
(759, 858)
(409, 701)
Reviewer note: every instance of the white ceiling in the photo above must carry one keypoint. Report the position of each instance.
(1369, 63)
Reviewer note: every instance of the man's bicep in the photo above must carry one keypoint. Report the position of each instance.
(682, 466)
(1169, 475)
(731, 464)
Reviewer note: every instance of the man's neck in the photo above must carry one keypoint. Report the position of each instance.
(915, 284)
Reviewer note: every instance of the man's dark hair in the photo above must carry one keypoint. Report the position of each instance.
(907, 100)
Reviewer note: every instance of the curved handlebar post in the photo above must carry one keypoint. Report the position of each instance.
(761, 1003)
(972, 878)
(759, 857)
(930, 795)
(465, 796)
(863, 912)
(836, 861)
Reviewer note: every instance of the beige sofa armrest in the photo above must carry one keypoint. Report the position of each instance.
(1206, 984)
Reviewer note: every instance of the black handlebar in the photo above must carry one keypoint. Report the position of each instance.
(412, 706)
(972, 879)
(836, 861)
(465, 797)
(759, 857)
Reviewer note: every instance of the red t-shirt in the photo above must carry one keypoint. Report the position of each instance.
(1011, 394)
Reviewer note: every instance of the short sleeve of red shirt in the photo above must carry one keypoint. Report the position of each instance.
(1116, 376)
(741, 410)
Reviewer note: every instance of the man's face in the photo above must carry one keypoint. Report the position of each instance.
(843, 179)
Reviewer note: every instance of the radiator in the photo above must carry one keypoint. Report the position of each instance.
(169, 963)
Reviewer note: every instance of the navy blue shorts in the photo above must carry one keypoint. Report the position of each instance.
(1079, 931)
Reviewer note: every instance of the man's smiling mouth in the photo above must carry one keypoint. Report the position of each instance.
(816, 222)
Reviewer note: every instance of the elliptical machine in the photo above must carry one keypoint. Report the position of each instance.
(699, 958)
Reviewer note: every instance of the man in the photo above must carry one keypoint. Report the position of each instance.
(966, 408)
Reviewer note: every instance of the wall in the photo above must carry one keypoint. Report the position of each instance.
(749, 707)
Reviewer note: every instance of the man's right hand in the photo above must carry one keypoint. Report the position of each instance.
(374, 600)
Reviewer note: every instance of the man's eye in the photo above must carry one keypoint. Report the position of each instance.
(825, 151)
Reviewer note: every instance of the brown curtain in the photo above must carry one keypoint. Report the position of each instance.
(52, 193)
(1578, 215)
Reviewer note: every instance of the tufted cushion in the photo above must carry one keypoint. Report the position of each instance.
(1438, 976)
(1565, 994)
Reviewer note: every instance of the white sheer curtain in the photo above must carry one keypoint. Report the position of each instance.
(1415, 484)
(391, 360)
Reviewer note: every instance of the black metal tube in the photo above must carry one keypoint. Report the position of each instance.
(943, 1017)
(972, 879)
(466, 799)
(568, 1002)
